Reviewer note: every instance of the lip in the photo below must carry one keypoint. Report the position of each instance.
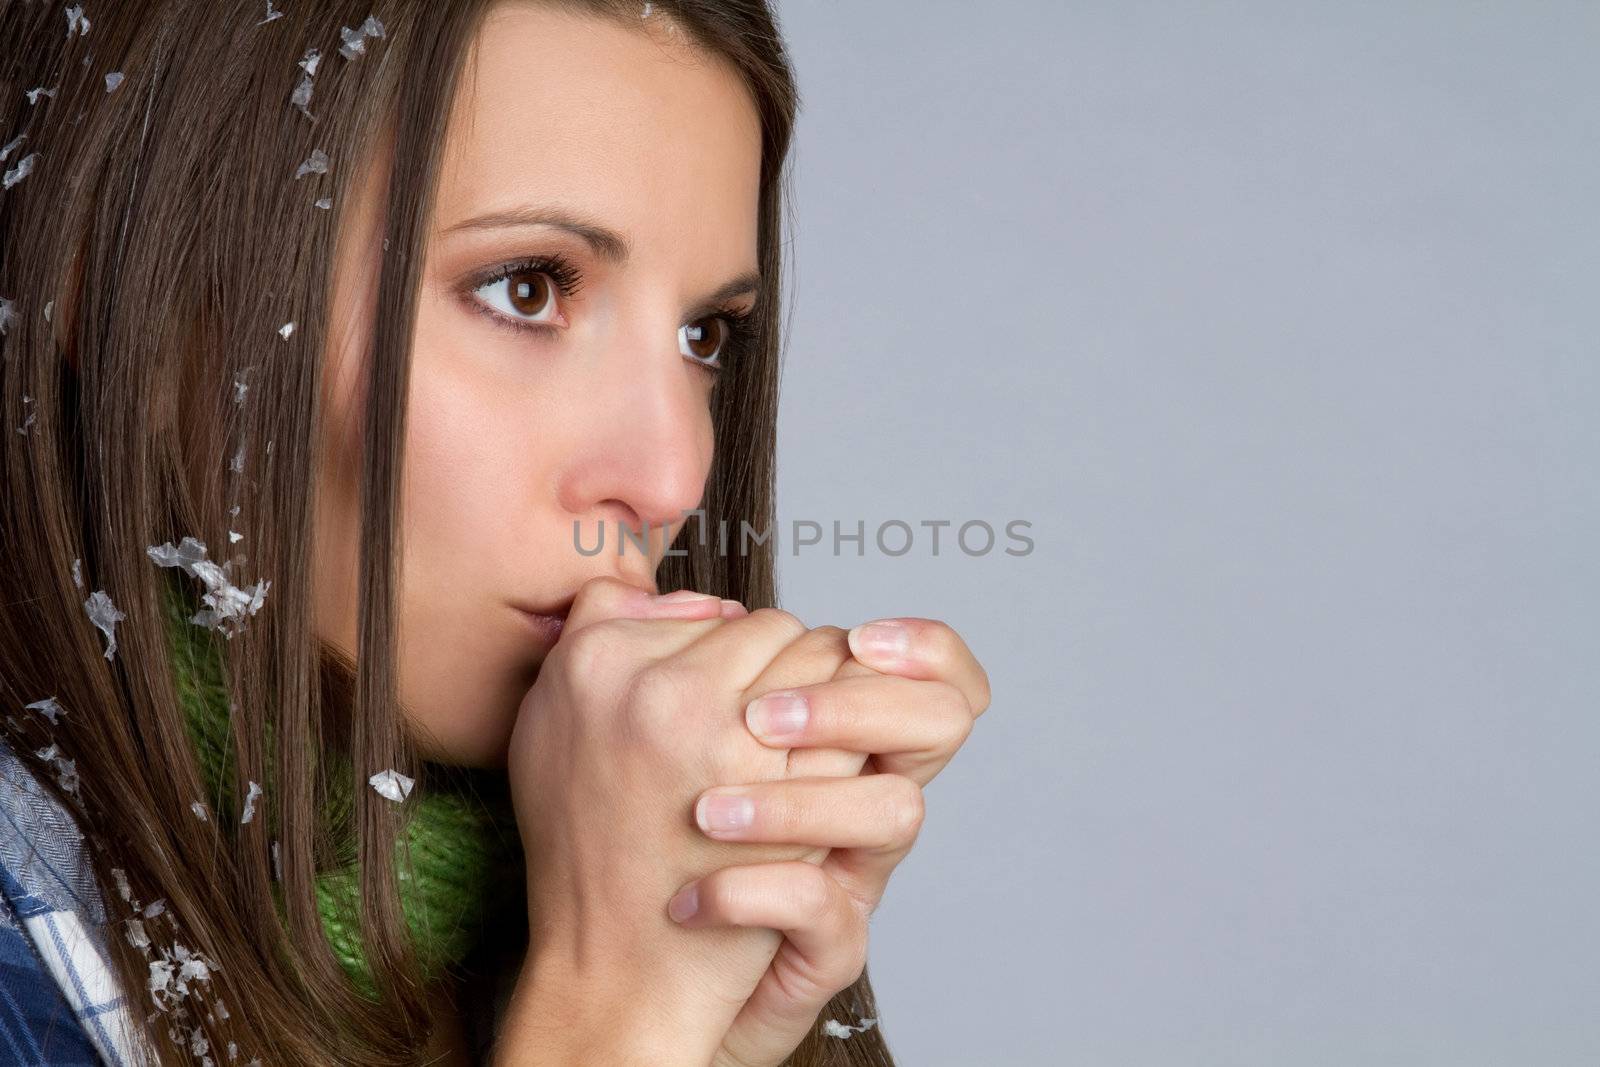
(546, 628)
(555, 610)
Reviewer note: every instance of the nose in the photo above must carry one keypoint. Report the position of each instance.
(645, 454)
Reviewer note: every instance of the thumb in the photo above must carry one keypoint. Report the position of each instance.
(605, 597)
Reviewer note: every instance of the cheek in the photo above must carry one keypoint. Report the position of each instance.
(468, 508)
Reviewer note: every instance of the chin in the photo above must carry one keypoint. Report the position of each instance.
(483, 746)
(478, 754)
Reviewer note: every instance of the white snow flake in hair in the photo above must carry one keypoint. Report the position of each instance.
(11, 146)
(192, 967)
(49, 707)
(8, 309)
(137, 937)
(392, 785)
(69, 775)
(199, 810)
(66, 770)
(834, 1028)
(271, 15)
(355, 41)
(309, 61)
(316, 163)
(325, 203)
(301, 97)
(160, 980)
(77, 573)
(113, 80)
(23, 168)
(285, 330)
(104, 614)
(228, 604)
(250, 803)
(33, 95)
(77, 20)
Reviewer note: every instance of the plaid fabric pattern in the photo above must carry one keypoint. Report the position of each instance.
(59, 1004)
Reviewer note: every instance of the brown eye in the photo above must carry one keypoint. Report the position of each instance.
(529, 291)
(704, 339)
(526, 295)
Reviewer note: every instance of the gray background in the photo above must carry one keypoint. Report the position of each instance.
(1279, 323)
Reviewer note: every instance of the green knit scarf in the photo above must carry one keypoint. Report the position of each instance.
(465, 865)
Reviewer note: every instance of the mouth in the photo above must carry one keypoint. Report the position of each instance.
(545, 622)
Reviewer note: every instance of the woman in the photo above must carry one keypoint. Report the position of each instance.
(334, 341)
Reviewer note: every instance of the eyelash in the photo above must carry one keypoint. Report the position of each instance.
(569, 281)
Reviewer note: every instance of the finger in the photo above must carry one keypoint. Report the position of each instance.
(878, 813)
(824, 950)
(817, 655)
(922, 648)
(814, 656)
(909, 727)
(817, 917)
(737, 651)
(605, 597)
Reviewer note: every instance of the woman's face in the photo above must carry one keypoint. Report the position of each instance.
(531, 408)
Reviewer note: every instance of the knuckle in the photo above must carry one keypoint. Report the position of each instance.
(906, 808)
(601, 589)
(653, 697)
(782, 620)
(811, 896)
(590, 649)
(955, 719)
(984, 693)
(821, 644)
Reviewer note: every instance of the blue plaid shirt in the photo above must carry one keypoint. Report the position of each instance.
(59, 1003)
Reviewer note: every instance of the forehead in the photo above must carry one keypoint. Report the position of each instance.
(638, 128)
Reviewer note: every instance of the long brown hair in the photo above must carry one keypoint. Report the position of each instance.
(150, 251)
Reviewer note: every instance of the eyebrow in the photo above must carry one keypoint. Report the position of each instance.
(606, 243)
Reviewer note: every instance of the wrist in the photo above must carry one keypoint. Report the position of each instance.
(560, 1016)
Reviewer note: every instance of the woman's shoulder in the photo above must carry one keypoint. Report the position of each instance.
(58, 1002)
(42, 853)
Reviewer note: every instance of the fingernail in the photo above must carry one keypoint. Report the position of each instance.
(732, 609)
(777, 716)
(685, 904)
(884, 639)
(724, 813)
(684, 595)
